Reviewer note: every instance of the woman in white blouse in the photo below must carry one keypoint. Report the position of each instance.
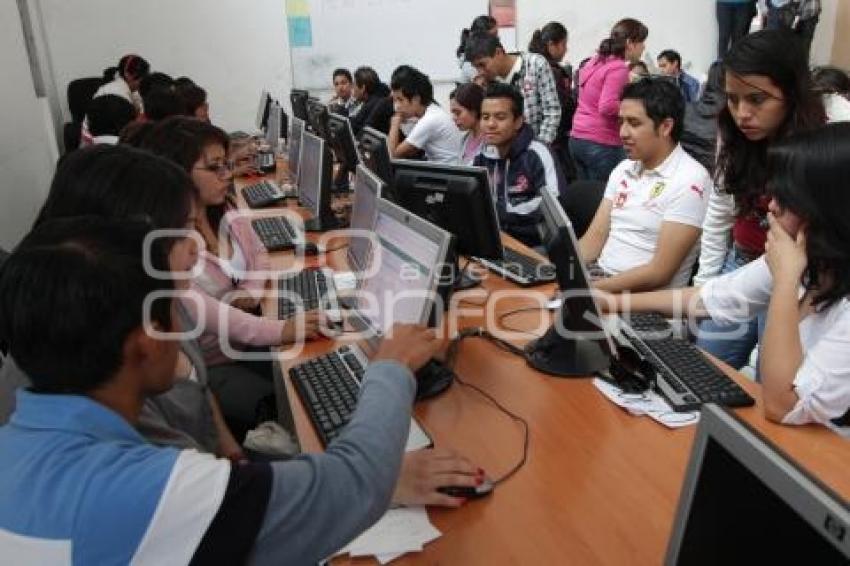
(802, 282)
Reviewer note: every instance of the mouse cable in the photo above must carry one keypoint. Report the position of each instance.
(451, 357)
(500, 320)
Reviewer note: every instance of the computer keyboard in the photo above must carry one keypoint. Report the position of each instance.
(521, 269)
(276, 233)
(262, 194)
(684, 376)
(316, 289)
(265, 161)
(329, 387)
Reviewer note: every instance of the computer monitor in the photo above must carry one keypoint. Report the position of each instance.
(273, 125)
(742, 497)
(263, 110)
(294, 153)
(454, 197)
(552, 215)
(375, 154)
(577, 343)
(317, 118)
(403, 273)
(298, 100)
(314, 183)
(340, 137)
(367, 190)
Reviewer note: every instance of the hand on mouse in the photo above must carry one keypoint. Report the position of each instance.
(302, 326)
(409, 344)
(423, 471)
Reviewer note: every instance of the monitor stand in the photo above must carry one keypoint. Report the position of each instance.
(564, 356)
(319, 224)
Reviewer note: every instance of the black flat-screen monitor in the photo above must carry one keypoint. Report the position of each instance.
(375, 153)
(341, 139)
(317, 118)
(263, 110)
(294, 155)
(744, 501)
(454, 197)
(314, 183)
(298, 100)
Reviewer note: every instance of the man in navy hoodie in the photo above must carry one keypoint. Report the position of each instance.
(520, 166)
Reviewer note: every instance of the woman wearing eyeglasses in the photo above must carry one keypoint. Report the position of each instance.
(769, 97)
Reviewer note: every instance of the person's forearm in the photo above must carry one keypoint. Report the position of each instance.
(394, 137)
(672, 302)
(781, 352)
(639, 279)
(227, 445)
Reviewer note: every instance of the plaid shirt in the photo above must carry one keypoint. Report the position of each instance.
(537, 85)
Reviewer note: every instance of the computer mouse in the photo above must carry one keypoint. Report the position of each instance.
(307, 248)
(469, 492)
(432, 379)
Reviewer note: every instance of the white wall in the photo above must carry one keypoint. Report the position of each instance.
(26, 152)
(233, 48)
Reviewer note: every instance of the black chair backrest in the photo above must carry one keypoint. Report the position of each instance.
(80, 93)
(580, 202)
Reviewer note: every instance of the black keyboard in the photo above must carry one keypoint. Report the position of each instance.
(314, 286)
(276, 233)
(265, 162)
(262, 194)
(684, 376)
(329, 387)
(521, 269)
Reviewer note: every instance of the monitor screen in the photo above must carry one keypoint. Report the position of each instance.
(743, 498)
(341, 139)
(310, 176)
(298, 100)
(273, 126)
(404, 272)
(262, 110)
(295, 139)
(317, 118)
(553, 217)
(375, 154)
(367, 190)
(454, 197)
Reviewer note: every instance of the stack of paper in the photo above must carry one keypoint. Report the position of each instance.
(646, 403)
(399, 531)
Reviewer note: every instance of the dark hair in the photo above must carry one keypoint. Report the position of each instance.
(635, 64)
(480, 45)
(344, 72)
(119, 182)
(71, 294)
(831, 80)
(504, 90)
(470, 96)
(778, 55)
(623, 31)
(192, 96)
(713, 96)
(127, 65)
(162, 102)
(108, 114)
(182, 140)
(553, 32)
(481, 24)
(135, 133)
(412, 82)
(155, 80)
(672, 56)
(183, 81)
(808, 174)
(367, 79)
(661, 100)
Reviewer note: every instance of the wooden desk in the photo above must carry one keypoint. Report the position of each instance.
(599, 486)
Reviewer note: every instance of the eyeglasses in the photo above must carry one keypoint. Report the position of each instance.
(220, 170)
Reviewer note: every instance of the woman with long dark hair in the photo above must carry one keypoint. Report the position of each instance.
(595, 137)
(768, 97)
(481, 24)
(802, 282)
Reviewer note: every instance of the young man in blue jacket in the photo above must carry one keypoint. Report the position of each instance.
(520, 166)
(78, 484)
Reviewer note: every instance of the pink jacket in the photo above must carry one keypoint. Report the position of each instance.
(222, 322)
(601, 82)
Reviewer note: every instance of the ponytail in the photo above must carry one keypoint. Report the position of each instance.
(109, 74)
(623, 31)
(536, 44)
(464, 36)
(553, 32)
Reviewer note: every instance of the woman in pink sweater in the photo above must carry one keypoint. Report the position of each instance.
(595, 138)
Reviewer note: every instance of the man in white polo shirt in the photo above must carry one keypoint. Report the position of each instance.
(645, 234)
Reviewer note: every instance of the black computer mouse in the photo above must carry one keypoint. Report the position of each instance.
(469, 492)
(432, 379)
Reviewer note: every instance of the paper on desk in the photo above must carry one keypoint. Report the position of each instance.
(647, 403)
(399, 531)
(345, 280)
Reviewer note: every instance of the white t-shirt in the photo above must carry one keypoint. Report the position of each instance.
(436, 134)
(676, 191)
(822, 382)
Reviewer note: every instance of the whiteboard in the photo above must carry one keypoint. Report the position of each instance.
(381, 34)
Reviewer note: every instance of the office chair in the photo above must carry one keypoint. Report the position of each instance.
(80, 92)
(580, 202)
